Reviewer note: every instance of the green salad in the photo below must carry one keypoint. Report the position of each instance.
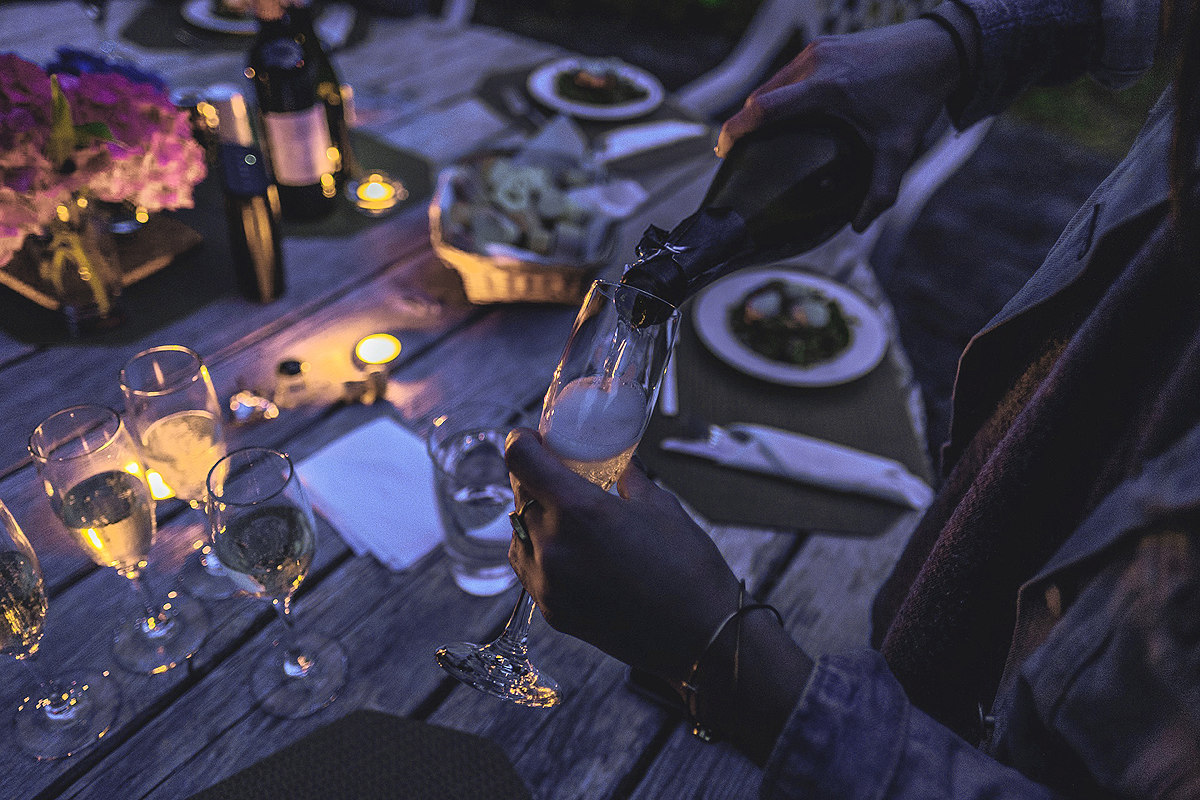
(792, 324)
(597, 86)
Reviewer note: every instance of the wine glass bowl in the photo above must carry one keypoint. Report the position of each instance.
(173, 412)
(60, 716)
(264, 533)
(593, 416)
(97, 488)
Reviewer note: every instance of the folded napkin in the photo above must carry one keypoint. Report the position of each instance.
(375, 486)
(631, 140)
(771, 451)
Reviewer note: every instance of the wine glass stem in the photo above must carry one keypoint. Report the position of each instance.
(513, 641)
(156, 621)
(295, 662)
(54, 702)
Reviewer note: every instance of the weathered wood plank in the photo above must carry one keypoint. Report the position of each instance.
(323, 335)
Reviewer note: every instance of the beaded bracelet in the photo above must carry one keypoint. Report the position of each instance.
(691, 690)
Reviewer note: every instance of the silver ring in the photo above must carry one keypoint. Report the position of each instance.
(517, 520)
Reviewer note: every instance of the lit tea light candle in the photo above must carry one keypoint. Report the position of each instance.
(376, 194)
(376, 352)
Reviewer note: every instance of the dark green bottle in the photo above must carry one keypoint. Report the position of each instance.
(781, 191)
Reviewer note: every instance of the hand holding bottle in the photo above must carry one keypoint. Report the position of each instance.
(890, 83)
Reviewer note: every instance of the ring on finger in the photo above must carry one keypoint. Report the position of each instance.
(517, 520)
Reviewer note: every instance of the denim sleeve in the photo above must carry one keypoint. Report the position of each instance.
(1026, 42)
(853, 734)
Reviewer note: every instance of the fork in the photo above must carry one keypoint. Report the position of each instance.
(517, 105)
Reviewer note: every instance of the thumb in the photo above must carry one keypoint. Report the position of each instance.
(538, 471)
(635, 484)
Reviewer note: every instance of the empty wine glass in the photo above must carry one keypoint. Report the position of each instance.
(97, 487)
(593, 416)
(264, 533)
(173, 412)
(61, 716)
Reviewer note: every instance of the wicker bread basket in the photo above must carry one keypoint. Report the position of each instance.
(509, 279)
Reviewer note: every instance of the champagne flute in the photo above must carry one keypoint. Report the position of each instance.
(173, 411)
(97, 487)
(65, 714)
(264, 533)
(593, 416)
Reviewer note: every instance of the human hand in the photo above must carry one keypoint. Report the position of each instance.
(632, 575)
(890, 83)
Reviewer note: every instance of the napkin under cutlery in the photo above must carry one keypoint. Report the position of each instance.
(375, 486)
(771, 451)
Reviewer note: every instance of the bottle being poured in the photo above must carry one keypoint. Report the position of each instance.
(781, 191)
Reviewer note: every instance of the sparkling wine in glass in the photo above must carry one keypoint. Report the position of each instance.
(60, 716)
(173, 411)
(264, 533)
(97, 487)
(593, 416)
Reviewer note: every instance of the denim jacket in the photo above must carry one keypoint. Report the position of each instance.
(1101, 692)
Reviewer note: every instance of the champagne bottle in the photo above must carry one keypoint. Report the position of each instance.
(329, 89)
(782, 190)
(252, 208)
(292, 114)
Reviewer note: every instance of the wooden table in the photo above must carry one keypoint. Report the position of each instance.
(186, 729)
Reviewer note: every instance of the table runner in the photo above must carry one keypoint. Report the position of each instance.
(202, 270)
(870, 413)
(369, 755)
(160, 26)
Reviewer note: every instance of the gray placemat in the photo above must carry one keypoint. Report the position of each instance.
(160, 26)
(369, 755)
(870, 414)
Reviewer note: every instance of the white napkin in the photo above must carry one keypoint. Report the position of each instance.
(758, 448)
(641, 137)
(375, 486)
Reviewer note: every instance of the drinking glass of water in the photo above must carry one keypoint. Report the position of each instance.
(466, 445)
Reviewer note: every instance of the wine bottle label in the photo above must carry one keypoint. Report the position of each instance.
(300, 145)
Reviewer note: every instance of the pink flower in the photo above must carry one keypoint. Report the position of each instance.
(153, 161)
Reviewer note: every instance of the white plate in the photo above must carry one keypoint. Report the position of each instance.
(200, 14)
(868, 341)
(542, 85)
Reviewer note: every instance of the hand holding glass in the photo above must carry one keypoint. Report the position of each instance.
(97, 486)
(593, 416)
(265, 535)
(173, 411)
(63, 715)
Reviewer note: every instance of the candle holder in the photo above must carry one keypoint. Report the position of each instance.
(374, 193)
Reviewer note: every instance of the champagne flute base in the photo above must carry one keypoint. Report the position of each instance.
(507, 675)
(285, 689)
(150, 652)
(45, 733)
(203, 577)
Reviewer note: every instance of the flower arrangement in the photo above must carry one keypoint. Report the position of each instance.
(106, 135)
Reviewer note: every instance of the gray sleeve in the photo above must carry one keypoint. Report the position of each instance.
(1014, 44)
(854, 734)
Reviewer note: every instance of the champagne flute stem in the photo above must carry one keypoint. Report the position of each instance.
(296, 663)
(156, 621)
(513, 641)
